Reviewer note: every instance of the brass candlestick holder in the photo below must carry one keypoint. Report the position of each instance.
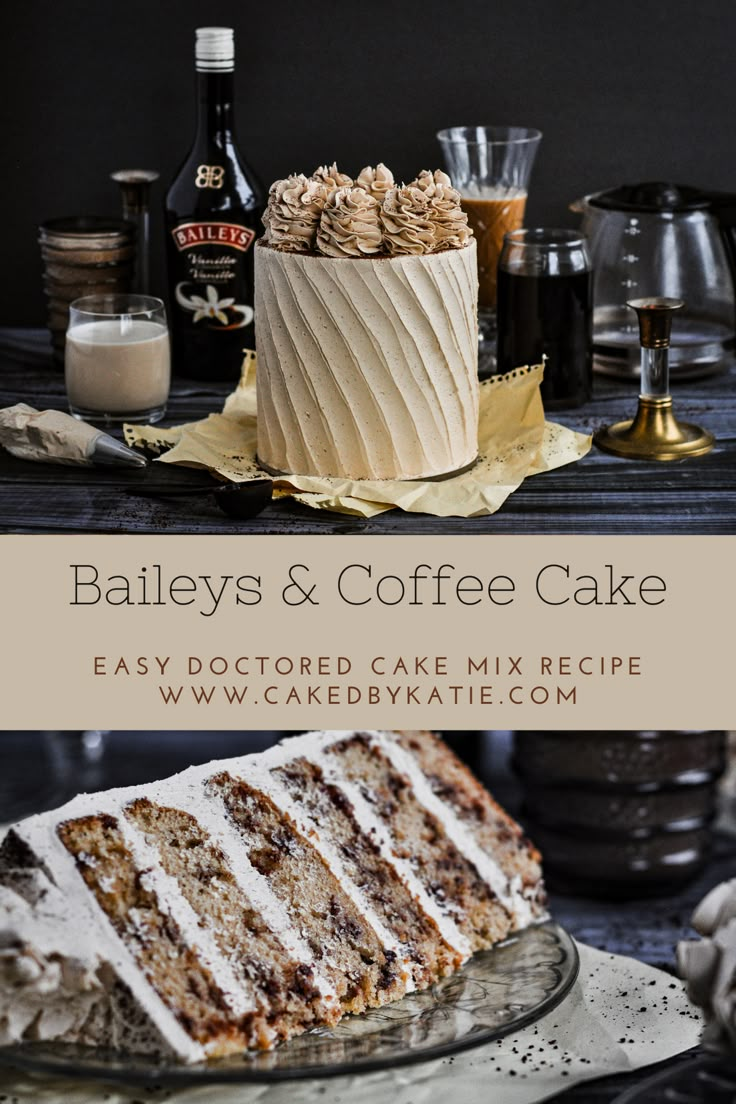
(655, 433)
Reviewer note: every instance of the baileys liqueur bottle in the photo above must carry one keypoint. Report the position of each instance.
(213, 214)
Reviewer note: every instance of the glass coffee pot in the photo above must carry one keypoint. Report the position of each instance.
(660, 239)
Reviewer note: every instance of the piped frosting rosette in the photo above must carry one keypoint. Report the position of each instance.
(708, 965)
(349, 225)
(331, 214)
(378, 181)
(406, 224)
(294, 209)
(49, 987)
(332, 178)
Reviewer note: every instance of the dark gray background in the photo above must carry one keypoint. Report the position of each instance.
(639, 89)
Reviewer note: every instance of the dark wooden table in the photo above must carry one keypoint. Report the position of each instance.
(600, 494)
(40, 770)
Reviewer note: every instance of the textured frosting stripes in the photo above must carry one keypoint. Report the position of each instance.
(439, 433)
(406, 346)
(375, 403)
(403, 345)
(455, 343)
(298, 401)
(274, 392)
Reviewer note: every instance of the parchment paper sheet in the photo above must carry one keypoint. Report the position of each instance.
(514, 442)
(620, 1015)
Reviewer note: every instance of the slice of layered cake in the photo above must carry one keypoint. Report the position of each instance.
(237, 904)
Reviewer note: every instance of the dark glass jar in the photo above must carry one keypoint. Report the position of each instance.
(620, 813)
(545, 310)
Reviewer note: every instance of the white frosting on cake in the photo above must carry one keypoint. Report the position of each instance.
(508, 892)
(66, 974)
(367, 368)
(49, 986)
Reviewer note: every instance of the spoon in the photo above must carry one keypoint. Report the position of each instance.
(237, 500)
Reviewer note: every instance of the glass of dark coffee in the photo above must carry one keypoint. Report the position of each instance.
(545, 309)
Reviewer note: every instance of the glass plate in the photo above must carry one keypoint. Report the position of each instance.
(497, 992)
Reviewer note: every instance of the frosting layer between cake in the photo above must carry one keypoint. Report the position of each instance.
(367, 368)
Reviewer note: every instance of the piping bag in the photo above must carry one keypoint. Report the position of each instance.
(52, 437)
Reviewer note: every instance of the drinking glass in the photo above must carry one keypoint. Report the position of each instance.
(490, 166)
(117, 359)
(545, 310)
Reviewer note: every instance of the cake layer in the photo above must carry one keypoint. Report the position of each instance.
(284, 988)
(347, 947)
(330, 808)
(367, 367)
(482, 908)
(489, 825)
(240, 903)
(142, 916)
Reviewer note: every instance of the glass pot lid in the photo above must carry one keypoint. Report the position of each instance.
(652, 197)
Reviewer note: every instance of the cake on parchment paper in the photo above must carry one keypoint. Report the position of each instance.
(240, 903)
(366, 327)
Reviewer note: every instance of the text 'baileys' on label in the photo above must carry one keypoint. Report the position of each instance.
(190, 234)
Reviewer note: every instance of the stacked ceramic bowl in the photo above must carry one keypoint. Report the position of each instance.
(83, 256)
(620, 813)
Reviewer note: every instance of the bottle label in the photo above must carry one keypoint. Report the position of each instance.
(190, 234)
(211, 283)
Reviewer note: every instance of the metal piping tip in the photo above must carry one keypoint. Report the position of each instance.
(106, 450)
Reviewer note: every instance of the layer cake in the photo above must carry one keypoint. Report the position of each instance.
(240, 903)
(366, 328)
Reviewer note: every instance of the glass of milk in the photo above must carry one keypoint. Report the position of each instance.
(117, 361)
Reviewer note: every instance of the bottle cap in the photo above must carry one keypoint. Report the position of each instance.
(215, 49)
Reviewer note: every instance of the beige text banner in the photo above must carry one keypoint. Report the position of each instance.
(313, 632)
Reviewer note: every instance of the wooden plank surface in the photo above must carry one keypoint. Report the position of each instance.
(600, 494)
